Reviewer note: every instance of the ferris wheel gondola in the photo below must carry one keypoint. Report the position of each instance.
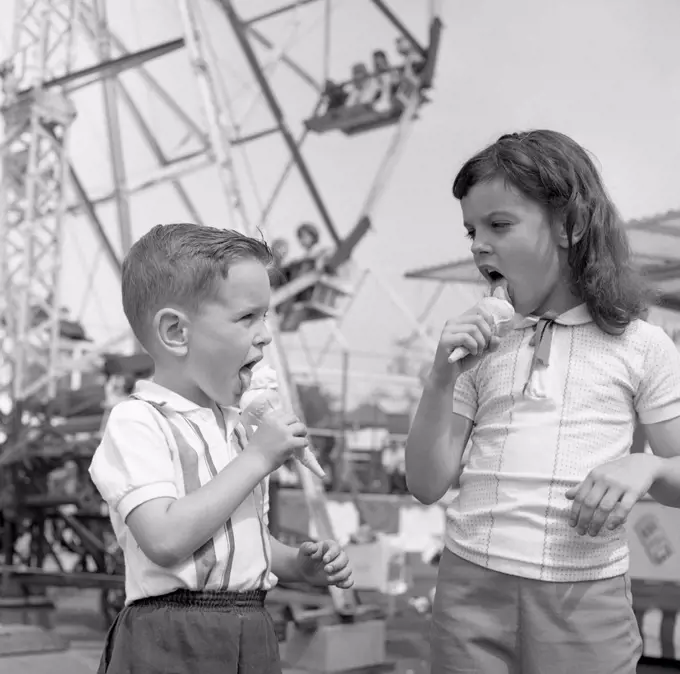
(318, 292)
(373, 100)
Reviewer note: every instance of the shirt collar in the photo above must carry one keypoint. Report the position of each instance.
(542, 340)
(579, 315)
(160, 395)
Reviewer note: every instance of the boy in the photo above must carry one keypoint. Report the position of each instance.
(187, 492)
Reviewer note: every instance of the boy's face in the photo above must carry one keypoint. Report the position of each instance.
(227, 335)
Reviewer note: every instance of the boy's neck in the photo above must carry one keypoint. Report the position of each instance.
(178, 384)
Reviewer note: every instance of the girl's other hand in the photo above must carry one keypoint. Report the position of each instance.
(610, 491)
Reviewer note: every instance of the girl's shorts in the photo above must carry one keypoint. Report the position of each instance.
(188, 632)
(486, 622)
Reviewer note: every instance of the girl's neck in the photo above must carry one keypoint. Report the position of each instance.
(560, 300)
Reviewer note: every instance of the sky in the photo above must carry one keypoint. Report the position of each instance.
(606, 72)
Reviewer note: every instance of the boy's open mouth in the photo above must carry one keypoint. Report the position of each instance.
(246, 372)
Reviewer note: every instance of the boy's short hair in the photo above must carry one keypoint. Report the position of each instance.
(179, 264)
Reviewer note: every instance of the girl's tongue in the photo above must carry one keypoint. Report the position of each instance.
(501, 291)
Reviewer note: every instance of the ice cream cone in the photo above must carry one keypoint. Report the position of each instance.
(498, 305)
(265, 401)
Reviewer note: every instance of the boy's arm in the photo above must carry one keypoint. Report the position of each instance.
(170, 530)
(285, 565)
(133, 470)
(438, 436)
(319, 563)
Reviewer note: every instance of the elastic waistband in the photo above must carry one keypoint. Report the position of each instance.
(218, 600)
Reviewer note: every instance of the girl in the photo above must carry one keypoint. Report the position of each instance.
(534, 575)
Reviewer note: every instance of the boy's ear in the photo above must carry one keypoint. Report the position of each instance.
(172, 329)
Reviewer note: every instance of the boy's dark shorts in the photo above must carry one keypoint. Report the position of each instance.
(193, 632)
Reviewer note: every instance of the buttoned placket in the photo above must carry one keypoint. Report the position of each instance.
(240, 434)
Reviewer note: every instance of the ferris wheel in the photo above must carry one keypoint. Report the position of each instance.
(120, 112)
(109, 130)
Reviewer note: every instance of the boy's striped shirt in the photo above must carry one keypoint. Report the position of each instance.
(159, 444)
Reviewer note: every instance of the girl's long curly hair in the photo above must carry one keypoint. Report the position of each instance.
(554, 171)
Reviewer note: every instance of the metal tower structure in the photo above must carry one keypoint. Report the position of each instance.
(36, 118)
(43, 187)
(40, 77)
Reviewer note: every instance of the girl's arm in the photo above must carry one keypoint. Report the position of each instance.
(438, 435)
(664, 439)
(657, 404)
(435, 443)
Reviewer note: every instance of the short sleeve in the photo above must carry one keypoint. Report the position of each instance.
(133, 463)
(658, 394)
(465, 395)
(265, 499)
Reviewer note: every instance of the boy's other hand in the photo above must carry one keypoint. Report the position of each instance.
(325, 563)
(610, 491)
(277, 438)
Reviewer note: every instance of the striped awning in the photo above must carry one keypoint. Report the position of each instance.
(660, 632)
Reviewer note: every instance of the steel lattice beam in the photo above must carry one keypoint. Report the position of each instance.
(33, 158)
(276, 110)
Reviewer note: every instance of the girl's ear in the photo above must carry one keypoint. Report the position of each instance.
(576, 234)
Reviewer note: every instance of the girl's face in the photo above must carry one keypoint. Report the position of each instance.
(306, 239)
(280, 249)
(513, 239)
(117, 384)
(359, 74)
(403, 46)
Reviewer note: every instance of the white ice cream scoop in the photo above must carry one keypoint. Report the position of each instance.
(263, 379)
(262, 398)
(502, 311)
